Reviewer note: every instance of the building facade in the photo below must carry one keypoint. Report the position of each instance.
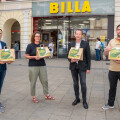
(16, 22)
(57, 20)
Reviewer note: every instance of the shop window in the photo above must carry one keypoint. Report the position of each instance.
(63, 30)
(92, 28)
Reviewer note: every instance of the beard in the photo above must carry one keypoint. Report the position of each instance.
(118, 36)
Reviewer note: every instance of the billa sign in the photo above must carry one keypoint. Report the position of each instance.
(55, 7)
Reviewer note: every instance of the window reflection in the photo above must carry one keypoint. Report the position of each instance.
(63, 30)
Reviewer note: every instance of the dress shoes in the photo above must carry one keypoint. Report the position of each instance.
(76, 101)
(85, 105)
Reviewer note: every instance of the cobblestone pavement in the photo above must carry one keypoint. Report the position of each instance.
(19, 105)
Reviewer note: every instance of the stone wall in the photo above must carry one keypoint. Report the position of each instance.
(117, 15)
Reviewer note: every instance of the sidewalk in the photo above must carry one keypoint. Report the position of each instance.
(19, 105)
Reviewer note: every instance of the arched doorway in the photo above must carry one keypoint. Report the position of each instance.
(23, 17)
(11, 25)
(15, 34)
(11, 32)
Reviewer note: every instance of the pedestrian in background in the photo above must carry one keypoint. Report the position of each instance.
(114, 71)
(51, 48)
(2, 71)
(97, 48)
(37, 68)
(101, 50)
(80, 68)
(16, 47)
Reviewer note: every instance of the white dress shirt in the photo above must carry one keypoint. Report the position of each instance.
(77, 47)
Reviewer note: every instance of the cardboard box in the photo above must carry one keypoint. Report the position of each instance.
(43, 52)
(114, 54)
(76, 53)
(7, 54)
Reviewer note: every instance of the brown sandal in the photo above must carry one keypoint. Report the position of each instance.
(48, 97)
(35, 100)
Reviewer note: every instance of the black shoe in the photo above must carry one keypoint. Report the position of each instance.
(85, 105)
(76, 101)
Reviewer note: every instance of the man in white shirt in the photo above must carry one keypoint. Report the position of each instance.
(97, 49)
(80, 68)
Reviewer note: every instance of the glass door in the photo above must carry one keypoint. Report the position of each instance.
(63, 35)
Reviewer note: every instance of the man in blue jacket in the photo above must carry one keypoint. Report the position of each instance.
(2, 71)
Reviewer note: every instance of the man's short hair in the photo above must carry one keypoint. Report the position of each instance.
(78, 30)
(117, 26)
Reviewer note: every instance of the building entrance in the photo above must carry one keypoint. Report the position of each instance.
(49, 35)
(56, 30)
(62, 31)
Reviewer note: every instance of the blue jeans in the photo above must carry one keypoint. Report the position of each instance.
(97, 54)
(82, 75)
(2, 76)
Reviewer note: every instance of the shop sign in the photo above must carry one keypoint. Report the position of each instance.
(102, 38)
(55, 7)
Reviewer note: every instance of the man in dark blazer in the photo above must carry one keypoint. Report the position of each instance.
(80, 68)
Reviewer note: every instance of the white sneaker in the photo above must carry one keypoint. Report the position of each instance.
(107, 107)
(2, 105)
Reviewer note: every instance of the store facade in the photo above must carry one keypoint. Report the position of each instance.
(58, 20)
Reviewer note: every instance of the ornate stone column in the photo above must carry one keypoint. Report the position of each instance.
(25, 29)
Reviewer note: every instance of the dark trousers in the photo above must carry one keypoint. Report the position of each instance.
(16, 54)
(97, 54)
(2, 76)
(82, 74)
(113, 79)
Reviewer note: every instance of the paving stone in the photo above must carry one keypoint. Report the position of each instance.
(78, 117)
(19, 105)
(95, 115)
(95, 107)
(57, 117)
(113, 113)
(63, 112)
